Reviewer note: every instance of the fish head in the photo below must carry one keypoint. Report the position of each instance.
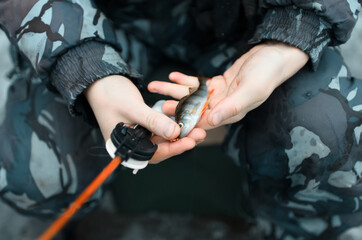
(186, 124)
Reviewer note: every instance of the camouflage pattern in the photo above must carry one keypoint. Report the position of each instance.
(339, 15)
(295, 36)
(46, 31)
(294, 22)
(302, 149)
(47, 157)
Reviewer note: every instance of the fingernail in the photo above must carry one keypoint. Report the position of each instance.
(153, 90)
(216, 119)
(169, 130)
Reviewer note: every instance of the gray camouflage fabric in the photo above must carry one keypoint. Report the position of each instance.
(301, 148)
(44, 162)
(46, 30)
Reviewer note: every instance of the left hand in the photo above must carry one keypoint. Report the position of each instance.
(116, 99)
(243, 87)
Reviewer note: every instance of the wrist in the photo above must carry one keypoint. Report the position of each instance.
(290, 58)
(287, 52)
(112, 92)
(108, 97)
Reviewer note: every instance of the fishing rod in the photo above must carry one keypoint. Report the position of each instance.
(124, 143)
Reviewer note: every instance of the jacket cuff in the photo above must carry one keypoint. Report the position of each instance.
(79, 67)
(297, 27)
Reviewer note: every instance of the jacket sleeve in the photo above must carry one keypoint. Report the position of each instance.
(308, 25)
(69, 43)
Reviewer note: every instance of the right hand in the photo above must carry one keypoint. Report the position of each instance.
(115, 99)
(245, 85)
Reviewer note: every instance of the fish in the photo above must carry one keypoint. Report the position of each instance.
(191, 107)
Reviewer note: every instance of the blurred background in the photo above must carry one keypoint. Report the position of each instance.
(124, 215)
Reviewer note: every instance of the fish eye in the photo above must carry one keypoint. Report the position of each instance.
(181, 125)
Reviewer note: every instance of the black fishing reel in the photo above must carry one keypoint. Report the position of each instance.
(133, 145)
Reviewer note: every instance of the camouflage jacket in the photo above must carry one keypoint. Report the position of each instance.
(71, 43)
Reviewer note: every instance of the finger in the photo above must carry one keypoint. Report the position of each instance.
(168, 149)
(157, 139)
(169, 107)
(228, 108)
(234, 107)
(183, 79)
(204, 122)
(197, 134)
(156, 122)
(170, 89)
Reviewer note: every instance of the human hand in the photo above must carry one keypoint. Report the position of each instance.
(116, 99)
(243, 87)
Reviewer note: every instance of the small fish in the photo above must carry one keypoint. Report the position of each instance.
(191, 107)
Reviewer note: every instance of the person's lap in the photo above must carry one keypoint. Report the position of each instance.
(302, 150)
(300, 147)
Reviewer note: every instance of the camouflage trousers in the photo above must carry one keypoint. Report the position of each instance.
(303, 153)
(301, 148)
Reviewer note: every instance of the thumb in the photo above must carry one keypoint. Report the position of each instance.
(226, 111)
(158, 123)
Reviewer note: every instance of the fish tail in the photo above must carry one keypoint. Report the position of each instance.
(202, 79)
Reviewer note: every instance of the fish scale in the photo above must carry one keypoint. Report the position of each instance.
(190, 108)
